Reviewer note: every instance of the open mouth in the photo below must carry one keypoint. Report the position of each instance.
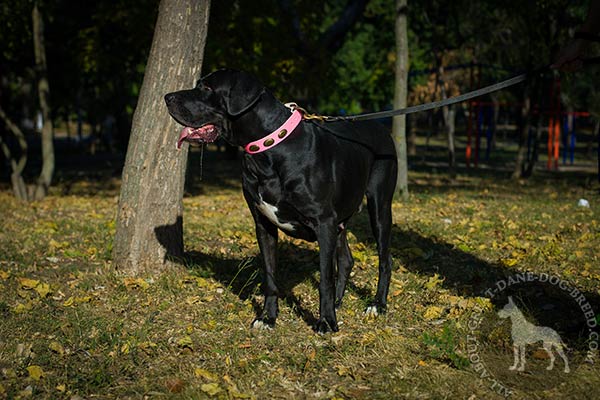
(205, 134)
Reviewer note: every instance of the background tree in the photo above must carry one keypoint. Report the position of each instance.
(41, 69)
(149, 220)
(400, 97)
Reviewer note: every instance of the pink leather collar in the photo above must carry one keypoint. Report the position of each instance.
(277, 136)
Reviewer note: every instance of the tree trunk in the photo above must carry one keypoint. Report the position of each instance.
(524, 126)
(17, 167)
(400, 95)
(45, 178)
(449, 114)
(149, 232)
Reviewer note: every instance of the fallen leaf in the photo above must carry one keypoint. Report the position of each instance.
(4, 275)
(135, 283)
(62, 388)
(211, 388)
(540, 354)
(36, 372)
(147, 347)
(23, 308)
(27, 283)
(69, 302)
(57, 348)
(43, 289)
(422, 363)
(433, 312)
(433, 282)
(186, 341)
(202, 373)
(175, 385)
(509, 262)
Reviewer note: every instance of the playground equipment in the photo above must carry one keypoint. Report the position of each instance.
(480, 122)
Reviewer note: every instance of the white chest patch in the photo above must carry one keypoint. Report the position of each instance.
(270, 211)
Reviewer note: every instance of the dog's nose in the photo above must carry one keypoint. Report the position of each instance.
(169, 98)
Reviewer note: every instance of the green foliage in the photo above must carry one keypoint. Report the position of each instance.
(442, 346)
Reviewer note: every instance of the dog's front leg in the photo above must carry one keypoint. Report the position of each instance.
(266, 233)
(327, 244)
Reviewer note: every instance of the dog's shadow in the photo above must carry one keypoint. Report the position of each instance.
(463, 274)
(243, 277)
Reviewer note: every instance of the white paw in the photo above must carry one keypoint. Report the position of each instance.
(371, 312)
(258, 324)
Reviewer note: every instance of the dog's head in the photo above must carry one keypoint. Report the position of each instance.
(206, 110)
(508, 310)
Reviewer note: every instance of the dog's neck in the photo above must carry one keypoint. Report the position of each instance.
(267, 115)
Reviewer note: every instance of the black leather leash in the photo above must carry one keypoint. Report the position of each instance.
(441, 103)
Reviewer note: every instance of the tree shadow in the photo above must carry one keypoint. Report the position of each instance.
(463, 274)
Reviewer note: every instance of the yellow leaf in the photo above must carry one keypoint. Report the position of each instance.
(193, 300)
(4, 275)
(342, 370)
(85, 299)
(239, 395)
(43, 289)
(211, 388)
(185, 341)
(36, 372)
(433, 282)
(422, 363)
(69, 302)
(202, 373)
(62, 388)
(125, 348)
(134, 283)
(57, 348)
(27, 283)
(433, 312)
(147, 346)
(509, 262)
(23, 308)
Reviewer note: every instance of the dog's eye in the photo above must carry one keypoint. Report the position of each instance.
(206, 87)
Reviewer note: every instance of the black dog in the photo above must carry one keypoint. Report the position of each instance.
(308, 185)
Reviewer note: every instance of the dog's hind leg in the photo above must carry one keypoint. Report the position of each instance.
(266, 233)
(345, 262)
(548, 347)
(380, 192)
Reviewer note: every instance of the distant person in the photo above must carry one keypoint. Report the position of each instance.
(570, 57)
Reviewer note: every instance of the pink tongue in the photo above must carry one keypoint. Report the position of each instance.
(206, 133)
(184, 133)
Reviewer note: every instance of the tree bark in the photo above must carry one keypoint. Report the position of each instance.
(449, 114)
(400, 96)
(17, 167)
(45, 178)
(149, 232)
(524, 126)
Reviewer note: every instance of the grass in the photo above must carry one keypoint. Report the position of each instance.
(186, 334)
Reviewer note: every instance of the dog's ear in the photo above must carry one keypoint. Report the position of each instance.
(244, 93)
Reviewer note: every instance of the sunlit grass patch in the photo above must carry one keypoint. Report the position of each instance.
(72, 326)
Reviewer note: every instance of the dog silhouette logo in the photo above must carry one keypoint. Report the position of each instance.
(524, 333)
